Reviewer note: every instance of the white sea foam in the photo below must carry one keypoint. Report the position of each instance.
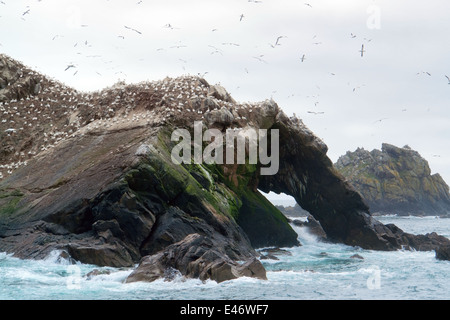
(57, 257)
(315, 270)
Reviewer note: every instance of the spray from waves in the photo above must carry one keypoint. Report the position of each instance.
(305, 236)
(59, 257)
(314, 270)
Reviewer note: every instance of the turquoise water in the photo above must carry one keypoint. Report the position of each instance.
(313, 271)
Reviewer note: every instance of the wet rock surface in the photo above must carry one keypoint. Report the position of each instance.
(196, 256)
(93, 177)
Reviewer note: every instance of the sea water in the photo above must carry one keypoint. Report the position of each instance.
(315, 270)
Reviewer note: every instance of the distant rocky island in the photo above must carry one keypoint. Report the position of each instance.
(396, 180)
(293, 211)
(89, 175)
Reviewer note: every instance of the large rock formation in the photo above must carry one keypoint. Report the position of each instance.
(396, 180)
(91, 175)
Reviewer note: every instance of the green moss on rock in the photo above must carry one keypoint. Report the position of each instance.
(9, 202)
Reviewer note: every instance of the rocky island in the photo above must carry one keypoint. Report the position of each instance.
(90, 175)
(396, 180)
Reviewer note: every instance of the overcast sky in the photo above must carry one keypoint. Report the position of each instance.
(396, 92)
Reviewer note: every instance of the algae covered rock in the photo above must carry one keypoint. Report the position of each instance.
(396, 180)
(95, 178)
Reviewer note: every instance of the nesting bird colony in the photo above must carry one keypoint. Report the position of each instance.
(34, 122)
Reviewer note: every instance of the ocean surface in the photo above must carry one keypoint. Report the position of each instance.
(314, 270)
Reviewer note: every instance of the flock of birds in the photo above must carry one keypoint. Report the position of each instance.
(28, 11)
(60, 112)
(241, 17)
(38, 123)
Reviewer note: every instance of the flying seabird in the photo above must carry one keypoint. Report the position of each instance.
(178, 46)
(70, 66)
(241, 17)
(379, 120)
(169, 26)
(230, 44)
(277, 42)
(314, 112)
(278, 39)
(448, 79)
(303, 58)
(259, 58)
(133, 29)
(362, 50)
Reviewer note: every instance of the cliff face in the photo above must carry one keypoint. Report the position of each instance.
(396, 180)
(91, 175)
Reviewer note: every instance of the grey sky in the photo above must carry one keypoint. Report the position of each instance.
(149, 40)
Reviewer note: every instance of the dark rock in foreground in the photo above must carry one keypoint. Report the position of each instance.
(195, 257)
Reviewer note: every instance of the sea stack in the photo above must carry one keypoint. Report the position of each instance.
(396, 180)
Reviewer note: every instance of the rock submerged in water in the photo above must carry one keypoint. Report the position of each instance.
(443, 252)
(395, 181)
(273, 253)
(195, 257)
(313, 226)
(95, 179)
